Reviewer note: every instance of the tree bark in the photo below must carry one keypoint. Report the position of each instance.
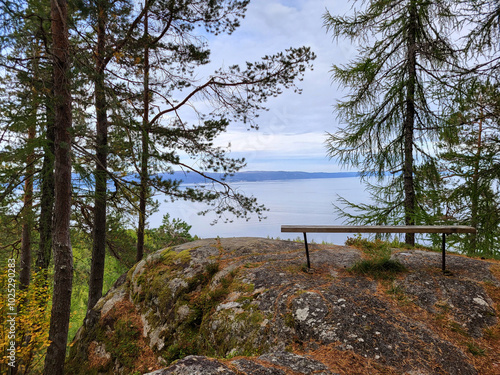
(408, 126)
(28, 219)
(145, 148)
(63, 257)
(99, 242)
(474, 210)
(24, 274)
(47, 193)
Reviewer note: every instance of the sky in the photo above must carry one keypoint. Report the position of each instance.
(292, 134)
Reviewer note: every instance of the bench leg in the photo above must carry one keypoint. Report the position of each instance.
(307, 252)
(443, 249)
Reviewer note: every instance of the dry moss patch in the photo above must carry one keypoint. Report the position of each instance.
(347, 362)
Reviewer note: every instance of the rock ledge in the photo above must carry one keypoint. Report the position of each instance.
(246, 306)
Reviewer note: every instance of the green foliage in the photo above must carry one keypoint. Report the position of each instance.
(469, 153)
(120, 257)
(374, 249)
(454, 140)
(459, 328)
(169, 233)
(199, 296)
(476, 350)
(398, 292)
(82, 252)
(289, 320)
(123, 342)
(193, 340)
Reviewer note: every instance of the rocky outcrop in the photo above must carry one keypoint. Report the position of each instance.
(247, 306)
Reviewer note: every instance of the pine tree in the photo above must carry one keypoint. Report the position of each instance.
(236, 94)
(24, 122)
(144, 175)
(151, 145)
(111, 22)
(63, 256)
(232, 94)
(470, 164)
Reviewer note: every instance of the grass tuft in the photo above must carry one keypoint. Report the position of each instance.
(378, 268)
(379, 264)
(475, 350)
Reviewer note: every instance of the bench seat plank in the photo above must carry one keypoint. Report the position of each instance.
(447, 229)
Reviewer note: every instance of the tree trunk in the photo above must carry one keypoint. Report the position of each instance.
(63, 257)
(47, 194)
(474, 210)
(28, 219)
(145, 148)
(24, 274)
(408, 126)
(99, 244)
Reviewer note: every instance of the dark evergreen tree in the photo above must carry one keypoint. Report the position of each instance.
(468, 151)
(151, 146)
(113, 29)
(144, 175)
(483, 17)
(109, 147)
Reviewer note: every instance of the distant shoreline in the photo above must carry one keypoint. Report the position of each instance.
(249, 176)
(255, 176)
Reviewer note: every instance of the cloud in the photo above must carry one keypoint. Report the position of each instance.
(295, 125)
(285, 144)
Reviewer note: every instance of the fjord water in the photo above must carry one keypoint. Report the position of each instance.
(303, 202)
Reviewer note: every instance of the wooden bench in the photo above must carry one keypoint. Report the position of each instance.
(444, 229)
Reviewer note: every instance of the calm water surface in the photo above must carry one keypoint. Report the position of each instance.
(306, 202)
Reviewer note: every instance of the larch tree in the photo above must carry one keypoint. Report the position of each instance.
(391, 114)
(483, 38)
